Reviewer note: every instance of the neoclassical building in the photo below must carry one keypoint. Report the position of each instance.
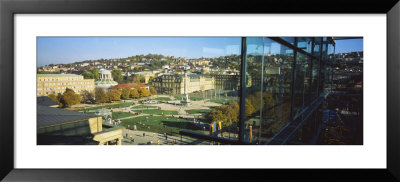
(106, 81)
(174, 84)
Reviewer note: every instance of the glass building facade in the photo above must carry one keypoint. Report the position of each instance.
(283, 83)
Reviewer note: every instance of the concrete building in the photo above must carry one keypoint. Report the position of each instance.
(57, 83)
(64, 127)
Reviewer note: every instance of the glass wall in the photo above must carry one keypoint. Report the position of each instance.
(283, 76)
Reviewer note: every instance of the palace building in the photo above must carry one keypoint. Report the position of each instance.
(174, 84)
(57, 83)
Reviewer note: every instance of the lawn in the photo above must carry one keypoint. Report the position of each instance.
(162, 98)
(126, 104)
(156, 111)
(158, 124)
(144, 107)
(196, 98)
(191, 98)
(117, 115)
(198, 111)
(222, 101)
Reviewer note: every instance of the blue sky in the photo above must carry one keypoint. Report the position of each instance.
(349, 45)
(53, 50)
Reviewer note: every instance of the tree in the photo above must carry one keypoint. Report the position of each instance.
(101, 96)
(134, 93)
(249, 108)
(143, 92)
(88, 75)
(215, 115)
(54, 98)
(96, 74)
(69, 98)
(114, 94)
(136, 79)
(153, 91)
(86, 95)
(125, 93)
(117, 75)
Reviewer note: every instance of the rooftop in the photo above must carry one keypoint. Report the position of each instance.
(47, 116)
(45, 101)
(56, 75)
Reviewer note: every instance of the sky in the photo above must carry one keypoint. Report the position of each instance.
(54, 50)
(349, 45)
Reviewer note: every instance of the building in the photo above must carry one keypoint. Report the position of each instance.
(174, 84)
(105, 80)
(57, 83)
(63, 127)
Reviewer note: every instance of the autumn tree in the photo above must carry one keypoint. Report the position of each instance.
(69, 98)
(134, 93)
(114, 94)
(86, 95)
(143, 92)
(153, 91)
(101, 96)
(54, 98)
(249, 107)
(126, 92)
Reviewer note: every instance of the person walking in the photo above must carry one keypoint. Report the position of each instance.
(144, 134)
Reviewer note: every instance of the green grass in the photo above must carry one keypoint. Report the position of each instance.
(117, 115)
(126, 104)
(159, 112)
(222, 101)
(162, 98)
(198, 111)
(156, 124)
(191, 98)
(196, 98)
(144, 107)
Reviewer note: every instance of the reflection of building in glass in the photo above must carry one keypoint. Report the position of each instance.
(105, 80)
(57, 83)
(174, 84)
(291, 88)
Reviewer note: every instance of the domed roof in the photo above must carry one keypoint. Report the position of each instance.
(105, 72)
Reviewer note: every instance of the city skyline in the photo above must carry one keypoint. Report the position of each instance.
(64, 50)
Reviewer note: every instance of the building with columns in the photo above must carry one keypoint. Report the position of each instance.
(105, 80)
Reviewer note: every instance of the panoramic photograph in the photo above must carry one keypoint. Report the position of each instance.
(199, 90)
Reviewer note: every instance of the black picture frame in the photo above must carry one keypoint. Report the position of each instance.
(9, 8)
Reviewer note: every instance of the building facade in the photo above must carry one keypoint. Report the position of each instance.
(57, 83)
(174, 84)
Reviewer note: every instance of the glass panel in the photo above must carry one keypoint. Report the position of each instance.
(302, 82)
(253, 92)
(278, 64)
(305, 43)
(317, 46)
(314, 78)
(288, 39)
